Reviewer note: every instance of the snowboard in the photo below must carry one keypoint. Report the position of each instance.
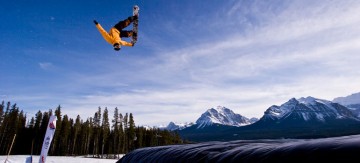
(135, 24)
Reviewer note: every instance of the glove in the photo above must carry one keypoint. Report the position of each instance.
(96, 22)
(132, 43)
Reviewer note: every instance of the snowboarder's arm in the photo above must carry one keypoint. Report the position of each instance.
(106, 35)
(124, 43)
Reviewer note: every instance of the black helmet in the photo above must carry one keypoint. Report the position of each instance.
(117, 46)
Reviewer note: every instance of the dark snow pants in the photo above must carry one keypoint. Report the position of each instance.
(123, 24)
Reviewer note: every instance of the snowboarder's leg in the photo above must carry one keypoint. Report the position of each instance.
(123, 24)
(125, 33)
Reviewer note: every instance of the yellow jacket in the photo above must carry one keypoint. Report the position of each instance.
(113, 36)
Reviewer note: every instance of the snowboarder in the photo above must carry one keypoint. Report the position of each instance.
(116, 33)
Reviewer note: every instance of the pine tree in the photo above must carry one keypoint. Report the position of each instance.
(12, 127)
(86, 136)
(31, 123)
(140, 138)
(2, 125)
(81, 143)
(105, 130)
(131, 132)
(121, 135)
(44, 124)
(77, 127)
(23, 139)
(97, 131)
(115, 128)
(56, 143)
(31, 135)
(50, 112)
(71, 136)
(2, 106)
(37, 136)
(64, 138)
(126, 136)
(3, 130)
(90, 132)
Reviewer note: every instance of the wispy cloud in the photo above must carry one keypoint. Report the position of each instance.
(246, 55)
(291, 55)
(45, 65)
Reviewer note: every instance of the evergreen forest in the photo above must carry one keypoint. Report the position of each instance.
(98, 136)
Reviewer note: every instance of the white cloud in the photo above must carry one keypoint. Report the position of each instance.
(302, 48)
(3, 96)
(307, 50)
(45, 65)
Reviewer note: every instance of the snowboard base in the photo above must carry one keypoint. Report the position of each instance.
(135, 24)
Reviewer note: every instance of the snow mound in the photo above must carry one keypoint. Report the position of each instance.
(337, 149)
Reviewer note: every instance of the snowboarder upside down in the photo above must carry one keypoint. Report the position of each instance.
(116, 33)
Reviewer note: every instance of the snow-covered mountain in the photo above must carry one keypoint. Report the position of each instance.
(352, 102)
(221, 115)
(178, 126)
(348, 100)
(253, 120)
(297, 118)
(308, 109)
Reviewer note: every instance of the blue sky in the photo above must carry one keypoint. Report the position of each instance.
(190, 56)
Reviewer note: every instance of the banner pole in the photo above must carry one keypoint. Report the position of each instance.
(10, 149)
(47, 139)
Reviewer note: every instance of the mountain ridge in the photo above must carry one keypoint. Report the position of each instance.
(221, 115)
(214, 116)
(305, 117)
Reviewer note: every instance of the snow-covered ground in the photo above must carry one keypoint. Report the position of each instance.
(55, 159)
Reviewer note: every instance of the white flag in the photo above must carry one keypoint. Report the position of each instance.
(48, 138)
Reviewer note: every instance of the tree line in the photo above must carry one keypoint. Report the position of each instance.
(95, 136)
